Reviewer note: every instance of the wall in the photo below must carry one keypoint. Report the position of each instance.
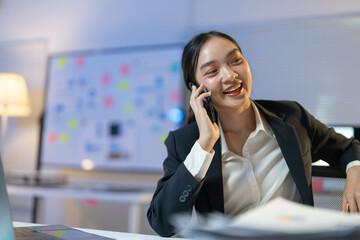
(68, 25)
(233, 12)
(93, 24)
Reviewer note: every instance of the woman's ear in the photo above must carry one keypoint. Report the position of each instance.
(190, 84)
(193, 84)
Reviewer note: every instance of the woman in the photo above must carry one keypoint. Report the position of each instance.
(254, 152)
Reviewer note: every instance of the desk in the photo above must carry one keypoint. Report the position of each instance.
(134, 198)
(110, 234)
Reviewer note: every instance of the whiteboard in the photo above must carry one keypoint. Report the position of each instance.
(112, 109)
(315, 62)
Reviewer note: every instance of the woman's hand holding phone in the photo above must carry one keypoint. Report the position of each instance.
(208, 129)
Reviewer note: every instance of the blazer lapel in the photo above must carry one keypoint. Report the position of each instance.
(214, 182)
(288, 142)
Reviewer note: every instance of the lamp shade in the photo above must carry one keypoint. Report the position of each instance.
(14, 97)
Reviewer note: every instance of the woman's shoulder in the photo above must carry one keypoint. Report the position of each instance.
(280, 105)
(184, 137)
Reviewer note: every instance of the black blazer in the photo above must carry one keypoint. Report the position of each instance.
(301, 138)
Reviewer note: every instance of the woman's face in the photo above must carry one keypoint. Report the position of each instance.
(225, 72)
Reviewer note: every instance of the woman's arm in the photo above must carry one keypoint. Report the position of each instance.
(328, 145)
(176, 191)
(337, 150)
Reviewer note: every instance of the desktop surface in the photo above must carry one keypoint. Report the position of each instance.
(110, 234)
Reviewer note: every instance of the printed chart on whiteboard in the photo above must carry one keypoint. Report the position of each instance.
(112, 109)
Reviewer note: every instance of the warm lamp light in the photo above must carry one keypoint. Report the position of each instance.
(14, 100)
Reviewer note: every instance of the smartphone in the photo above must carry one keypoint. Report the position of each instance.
(208, 105)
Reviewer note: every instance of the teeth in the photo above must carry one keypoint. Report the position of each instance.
(234, 88)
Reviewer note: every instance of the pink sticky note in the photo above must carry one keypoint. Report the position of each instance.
(175, 96)
(124, 70)
(80, 61)
(52, 137)
(108, 101)
(105, 79)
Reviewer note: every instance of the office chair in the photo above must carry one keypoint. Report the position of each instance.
(331, 172)
(328, 185)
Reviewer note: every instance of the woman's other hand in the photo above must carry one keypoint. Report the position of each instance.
(351, 195)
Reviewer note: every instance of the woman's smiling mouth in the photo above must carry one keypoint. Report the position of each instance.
(234, 90)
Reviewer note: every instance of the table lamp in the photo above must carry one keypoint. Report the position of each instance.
(14, 101)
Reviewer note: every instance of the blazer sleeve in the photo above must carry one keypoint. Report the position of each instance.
(176, 191)
(330, 146)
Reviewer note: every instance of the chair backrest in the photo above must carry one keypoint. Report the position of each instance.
(332, 172)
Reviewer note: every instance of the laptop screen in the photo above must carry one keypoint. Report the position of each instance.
(6, 228)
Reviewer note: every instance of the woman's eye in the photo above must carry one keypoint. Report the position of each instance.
(237, 60)
(211, 72)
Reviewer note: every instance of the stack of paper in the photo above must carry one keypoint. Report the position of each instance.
(278, 219)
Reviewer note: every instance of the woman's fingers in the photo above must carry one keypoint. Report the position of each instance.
(197, 92)
(197, 97)
(344, 205)
(353, 205)
(351, 195)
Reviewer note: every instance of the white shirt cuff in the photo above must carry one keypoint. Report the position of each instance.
(198, 161)
(351, 164)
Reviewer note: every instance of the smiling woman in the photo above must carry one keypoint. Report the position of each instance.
(255, 151)
(226, 73)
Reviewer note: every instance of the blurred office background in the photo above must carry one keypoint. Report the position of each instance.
(31, 31)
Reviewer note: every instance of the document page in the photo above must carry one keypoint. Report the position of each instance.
(284, 216)
(277, 219)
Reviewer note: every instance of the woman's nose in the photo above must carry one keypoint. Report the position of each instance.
(228, 74)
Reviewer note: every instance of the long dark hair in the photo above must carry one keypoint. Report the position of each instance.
(190, 58)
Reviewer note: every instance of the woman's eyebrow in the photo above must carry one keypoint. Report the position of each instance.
(232, 52)
(213, 61)
(207, 64)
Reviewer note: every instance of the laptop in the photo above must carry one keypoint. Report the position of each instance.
(8, 232)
